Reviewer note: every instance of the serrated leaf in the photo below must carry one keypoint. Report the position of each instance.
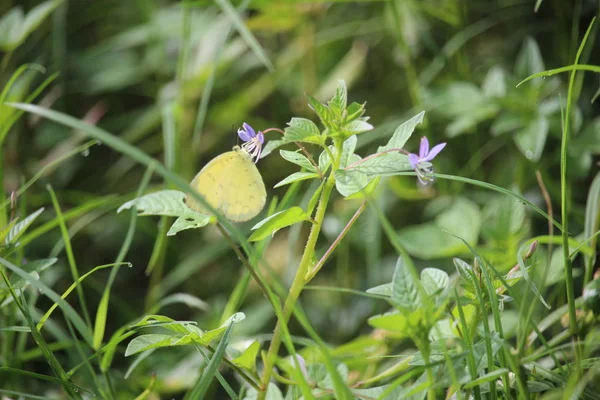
(349, 182)
(247, 359)
(19, 228)
(464, 269)
(338, 102)
(354, 111)
(324, 161)
(325, 114)
(275, 222)
(403, 133)
(295, 177)
(434, 280)
(302, 130)
(356, 127)
(348, 148)
(298, 159)
(386, 164)
(405, 292)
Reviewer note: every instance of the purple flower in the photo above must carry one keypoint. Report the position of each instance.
(252, 141)
(422, 163)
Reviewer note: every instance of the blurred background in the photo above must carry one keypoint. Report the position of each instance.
(184, 76)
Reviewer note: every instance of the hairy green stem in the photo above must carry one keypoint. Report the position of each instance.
(299, 279)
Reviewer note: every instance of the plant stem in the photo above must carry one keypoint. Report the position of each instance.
(299, 279)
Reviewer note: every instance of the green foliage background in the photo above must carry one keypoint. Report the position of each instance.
(177, 79)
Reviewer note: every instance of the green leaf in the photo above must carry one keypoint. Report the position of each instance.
(349, 182)
(298, 159)
(324, 161)
(383, 290)
(356, 127)
(325, 114)
(295, 177)
(153, 341)
(11, 29)
(247, 360)
(169, 203)
(529, 60)
(275, 222)
(272, 145)
(531, 140)
(383, 165)
(19, 228)
(37, 15)
(183, 223)
(490, 376)
(302, 130)
(348, 148)
(464, 269)
(403, 133)
(434, 280)
(393, 322)
(338, 102)
(354, 111)
(494, 84)
(405, 292)
(428, 241)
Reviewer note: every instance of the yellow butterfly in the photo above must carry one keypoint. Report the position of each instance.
(231, 183)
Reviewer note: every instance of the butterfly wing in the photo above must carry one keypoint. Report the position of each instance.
(245, 195)
(232, 185)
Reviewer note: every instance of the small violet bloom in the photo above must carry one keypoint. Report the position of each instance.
(252, 141)
(422, 163)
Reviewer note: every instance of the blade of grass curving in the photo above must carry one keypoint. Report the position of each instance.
(245, 33)
(41, 322)
(52, 295)
(46, 378)
(569, 68)
(70, 256)
(467, 336)
(203, 383)
(22, 395)
(564, 206)
(102, 312)
(38, 338)
(50, 166)
(20, 71)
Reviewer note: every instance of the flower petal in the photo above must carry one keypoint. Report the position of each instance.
(261, 137)
(413, 159)
(244, 135)
(424, 149)
(249, 129)
(434, 152)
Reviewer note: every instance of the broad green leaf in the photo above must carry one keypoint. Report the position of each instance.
(298, 159)
(348, 182)
(19, 228)
(154, 341)
(324, 161)
(348, 148)
(295, 177)
(531, 140)
(462, 218)
(338, 102)
(393, 322)
(354, 111)
(247, 359)
(275, 222)
(434, 280)
(405, 292)
(403, 133)
(503, 217)
(302, 130)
